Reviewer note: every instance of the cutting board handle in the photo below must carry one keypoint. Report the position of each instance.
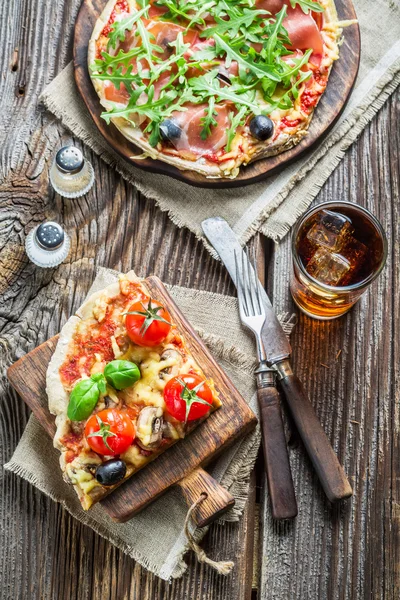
(218, 500)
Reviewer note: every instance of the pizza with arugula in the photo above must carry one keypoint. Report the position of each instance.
(211, 85)
(124, 387)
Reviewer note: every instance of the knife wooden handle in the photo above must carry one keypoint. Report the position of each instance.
(279, 476)
(320, 451)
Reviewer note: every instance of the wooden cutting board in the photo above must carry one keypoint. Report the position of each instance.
(181, 464)
(341, 81)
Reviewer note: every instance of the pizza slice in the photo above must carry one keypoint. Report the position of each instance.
(124, 388)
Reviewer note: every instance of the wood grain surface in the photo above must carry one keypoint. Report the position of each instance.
(340, 83)
(231, 421)
(328, 553)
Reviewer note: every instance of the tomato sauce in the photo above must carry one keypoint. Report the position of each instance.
(288, 123)
(72, 441)
(70, 371)
(123, 7)
(97, 340)
(132, 411)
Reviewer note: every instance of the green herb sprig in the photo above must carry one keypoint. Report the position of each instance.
(208, 121)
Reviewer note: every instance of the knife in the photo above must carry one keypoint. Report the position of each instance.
(277, 347)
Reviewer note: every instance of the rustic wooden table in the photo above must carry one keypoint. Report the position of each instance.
(350, 367)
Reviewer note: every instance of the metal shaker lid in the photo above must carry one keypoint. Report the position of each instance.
(69, 159)
(49, 235)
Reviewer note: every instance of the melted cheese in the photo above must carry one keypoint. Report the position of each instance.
(148, 390)
(82, 478)
(116, 350)
(133, 456)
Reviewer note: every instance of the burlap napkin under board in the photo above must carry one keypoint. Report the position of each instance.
(274, 205)
(155, 538)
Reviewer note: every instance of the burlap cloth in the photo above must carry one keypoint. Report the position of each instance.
(274, 205)
(155, 538)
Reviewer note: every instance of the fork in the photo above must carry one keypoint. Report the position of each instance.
(252, 315)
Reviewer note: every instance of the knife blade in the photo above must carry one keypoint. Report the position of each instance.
(223, 239)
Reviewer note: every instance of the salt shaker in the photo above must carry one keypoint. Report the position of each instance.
(47, 245)
(70, 174)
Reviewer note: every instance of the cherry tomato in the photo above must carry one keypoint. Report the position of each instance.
(110, 432)
(147, 322)
(187, 397)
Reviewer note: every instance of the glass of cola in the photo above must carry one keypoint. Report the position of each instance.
(338, 249)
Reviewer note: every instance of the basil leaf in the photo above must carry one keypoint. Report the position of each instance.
(121, 374)
(83, 399)
(101, 382)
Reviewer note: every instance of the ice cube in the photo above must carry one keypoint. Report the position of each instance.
(331, 231)
(355, 253)
(328, 267)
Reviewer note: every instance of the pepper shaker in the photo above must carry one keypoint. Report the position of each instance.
(70, 174)
(47, 245)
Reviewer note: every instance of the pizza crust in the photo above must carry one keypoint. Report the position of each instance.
(56, 394)
(282, 143)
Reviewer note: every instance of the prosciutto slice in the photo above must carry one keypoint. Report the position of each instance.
(302, 28)
(303, 31)
(111, 93)
(191, 124)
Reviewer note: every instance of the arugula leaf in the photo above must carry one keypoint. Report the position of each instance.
(236, 23)
(286, 100)
(291, 72)
(273, 36)
(197, 17)
(149, 108)
(110, 61)
(236, 121)
(118, 76)
(208, 85)
(188, 10)
(147, 47)
(180, 49)
(119, 28)
(205, 55)
(307, 5)
(208, 121)
(260, 70)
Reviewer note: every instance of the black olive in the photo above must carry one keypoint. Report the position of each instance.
(224, 78)
(262, 127)
(170, 130)
(111, 472)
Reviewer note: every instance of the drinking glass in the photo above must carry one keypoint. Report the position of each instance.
(339, 249)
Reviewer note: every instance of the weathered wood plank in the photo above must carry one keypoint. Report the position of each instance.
(352, 551)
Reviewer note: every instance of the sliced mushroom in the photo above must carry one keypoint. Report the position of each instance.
(149, 427)
(169, 431)
(109, 402)
(173, 370)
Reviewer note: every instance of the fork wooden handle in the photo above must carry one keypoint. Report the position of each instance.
(279, 476)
